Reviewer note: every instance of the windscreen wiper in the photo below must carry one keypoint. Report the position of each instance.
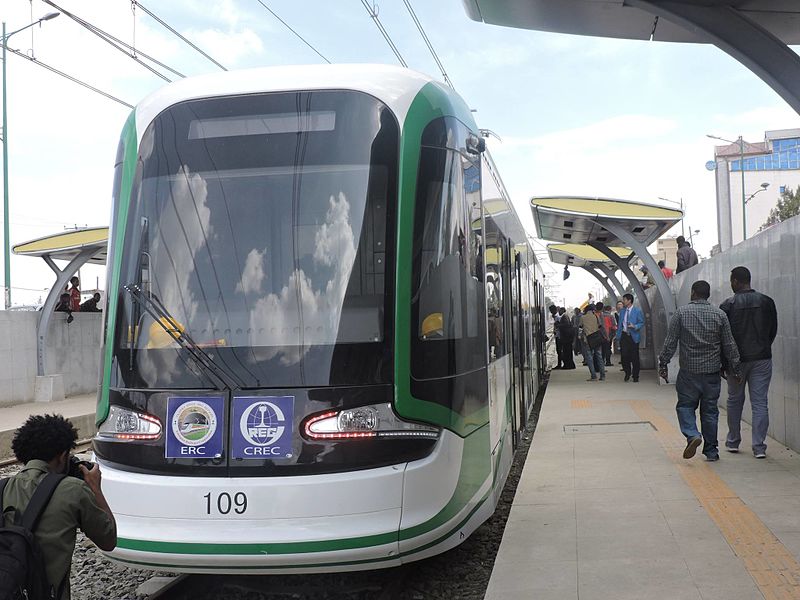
(161, 315)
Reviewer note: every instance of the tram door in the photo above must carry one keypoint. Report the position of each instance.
(514, 353)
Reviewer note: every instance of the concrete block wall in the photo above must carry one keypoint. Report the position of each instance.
(73, 350)
(773, 257)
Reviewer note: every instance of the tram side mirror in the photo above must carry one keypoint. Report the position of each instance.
(475, 144)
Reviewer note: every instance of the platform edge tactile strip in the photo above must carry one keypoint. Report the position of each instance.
(773, 568)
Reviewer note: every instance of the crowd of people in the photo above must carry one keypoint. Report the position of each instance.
(732, 341)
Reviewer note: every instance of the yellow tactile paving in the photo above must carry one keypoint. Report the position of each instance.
(774, 569)
(581, 404)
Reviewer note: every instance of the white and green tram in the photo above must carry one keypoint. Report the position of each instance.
(324, 324)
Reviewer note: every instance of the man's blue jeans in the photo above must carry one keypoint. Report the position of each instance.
(699, 390)
(594, 360)
(757, 375)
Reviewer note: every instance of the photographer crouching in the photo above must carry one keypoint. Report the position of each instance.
(43, 505)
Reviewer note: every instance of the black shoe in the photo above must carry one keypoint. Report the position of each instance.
(712, 457)
(635, 380)
(627, 377)
(608, 364)
(691, 446)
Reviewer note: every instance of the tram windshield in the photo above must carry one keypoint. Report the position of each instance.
(261, 224)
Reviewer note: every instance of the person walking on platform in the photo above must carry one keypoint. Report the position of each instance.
(705, 338)
(566, 335)
(687, 257)
(754, 322)
(611, 330)
(594, 332)
(629, 335)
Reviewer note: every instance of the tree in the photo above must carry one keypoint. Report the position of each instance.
(788, 206)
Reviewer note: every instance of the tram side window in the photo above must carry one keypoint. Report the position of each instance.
(448, 336)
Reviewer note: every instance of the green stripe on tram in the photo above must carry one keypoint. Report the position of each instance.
(431, 102)
(119, 220)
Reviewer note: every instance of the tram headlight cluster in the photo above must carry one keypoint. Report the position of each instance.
(125, 424)
(372, 421)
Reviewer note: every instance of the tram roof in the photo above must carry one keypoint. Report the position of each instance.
(579, 220)
(617, 19)
(579, 255)
(67, 245)
(394, 86)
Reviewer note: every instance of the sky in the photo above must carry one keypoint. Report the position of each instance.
(574, 115)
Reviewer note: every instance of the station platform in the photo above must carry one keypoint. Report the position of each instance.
(79, 409)
(607, 508)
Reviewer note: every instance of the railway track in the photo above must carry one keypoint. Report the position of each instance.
(80, 446)
(373, 585)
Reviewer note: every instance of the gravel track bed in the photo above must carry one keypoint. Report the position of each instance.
(461, 573)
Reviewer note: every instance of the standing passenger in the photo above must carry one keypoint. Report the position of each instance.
(594, 333)
(611, 330)
(687, 257)
(754, 322)
(566, 335)
(705, 336)
(629, 335)
(75, 295)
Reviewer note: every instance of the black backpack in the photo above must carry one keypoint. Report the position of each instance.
(22, 566)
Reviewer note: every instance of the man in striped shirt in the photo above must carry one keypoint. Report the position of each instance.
(705, 335)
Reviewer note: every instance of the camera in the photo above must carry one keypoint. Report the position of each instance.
(74, 466)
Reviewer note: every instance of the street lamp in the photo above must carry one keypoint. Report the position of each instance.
(674, 202)
(764, 186)
(740, 143)
(6, 241)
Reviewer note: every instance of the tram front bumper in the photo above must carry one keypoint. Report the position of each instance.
(327, 522)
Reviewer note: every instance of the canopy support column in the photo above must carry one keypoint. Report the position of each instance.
(593, 270)
(622, 265)
(62, 278)
(640, 250)
(733, 32)
(609, 273)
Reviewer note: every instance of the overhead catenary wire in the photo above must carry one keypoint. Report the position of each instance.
(300, 37)
(374, 14)
(70, 77)
(117, 43)
(175, 32)
(428, 43)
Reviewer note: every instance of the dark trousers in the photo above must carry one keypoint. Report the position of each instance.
(567, 361)
(699, 390)
(559, 353)
(630, 355)
(607, 352)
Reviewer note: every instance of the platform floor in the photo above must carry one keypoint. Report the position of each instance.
(79, 409)
(615, 512)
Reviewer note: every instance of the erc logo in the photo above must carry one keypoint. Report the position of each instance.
(194, 423)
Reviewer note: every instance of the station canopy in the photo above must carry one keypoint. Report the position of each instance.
(581, 255)
(581, 220)
(618, 19)
(68, 245)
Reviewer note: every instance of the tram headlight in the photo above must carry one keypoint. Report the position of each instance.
(373, 421)
(125, 424)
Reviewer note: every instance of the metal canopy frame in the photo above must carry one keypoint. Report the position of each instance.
(736, 33)
(757, 33)
(77, 247)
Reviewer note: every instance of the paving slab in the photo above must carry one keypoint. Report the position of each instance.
(607, 508)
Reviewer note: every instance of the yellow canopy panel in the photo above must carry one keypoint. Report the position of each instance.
(604, 207)
(66, 245)
(581, 254)
(579, 220)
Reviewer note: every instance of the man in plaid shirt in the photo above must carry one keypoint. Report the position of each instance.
(704, 333)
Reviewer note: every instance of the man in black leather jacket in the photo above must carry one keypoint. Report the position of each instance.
(754, 322)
